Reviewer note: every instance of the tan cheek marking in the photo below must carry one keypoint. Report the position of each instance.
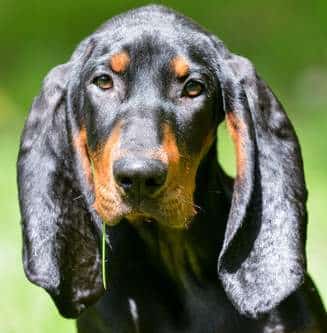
(180, 182)
(102, 159)
(181, 177)
(119, 62)
(236, 127)
(179, 66)
(169, 144)
(80, 144)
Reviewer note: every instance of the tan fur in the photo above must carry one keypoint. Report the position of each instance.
(119, 62)
(179, 66)
(80, 144)
(107, 199)
(177, 204)
(236, 128)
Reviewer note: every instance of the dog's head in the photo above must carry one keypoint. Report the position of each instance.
(119, 132)
(147, 117)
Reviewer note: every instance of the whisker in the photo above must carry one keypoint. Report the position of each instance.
(78, 197)
(199, 208)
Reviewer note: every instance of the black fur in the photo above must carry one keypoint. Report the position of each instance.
(167, 280)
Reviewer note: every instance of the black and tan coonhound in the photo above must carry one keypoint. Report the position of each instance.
(125, 133)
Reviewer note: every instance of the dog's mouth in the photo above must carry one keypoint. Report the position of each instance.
(173, 212)
(139, 218)
(136, 218)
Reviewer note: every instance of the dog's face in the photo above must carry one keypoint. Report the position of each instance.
(119, 132)
(149, 118)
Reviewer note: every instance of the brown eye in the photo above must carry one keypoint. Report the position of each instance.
(193, 88)
(103, 81)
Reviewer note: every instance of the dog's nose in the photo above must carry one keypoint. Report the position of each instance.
(140, 177)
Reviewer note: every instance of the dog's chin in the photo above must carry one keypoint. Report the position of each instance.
(139, 218)
(172, 215)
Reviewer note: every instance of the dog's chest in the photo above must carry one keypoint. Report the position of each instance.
(176, 289)
(196, 309)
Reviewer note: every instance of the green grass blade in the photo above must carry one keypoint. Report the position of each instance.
(104, 276)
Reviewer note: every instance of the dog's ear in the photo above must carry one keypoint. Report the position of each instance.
(263, 256)
(60, 245)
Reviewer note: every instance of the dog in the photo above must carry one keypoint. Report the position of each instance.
(124, 134)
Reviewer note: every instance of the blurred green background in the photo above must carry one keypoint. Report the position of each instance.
(287, 40)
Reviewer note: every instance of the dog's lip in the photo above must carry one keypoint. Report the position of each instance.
(138, 216)
(144, 208)
(132, 212)
(134, 217)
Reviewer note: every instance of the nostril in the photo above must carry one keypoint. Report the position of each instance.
(125, 182)
(154, 181)
(150, 182)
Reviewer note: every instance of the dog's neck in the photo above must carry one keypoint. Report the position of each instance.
(193, 253)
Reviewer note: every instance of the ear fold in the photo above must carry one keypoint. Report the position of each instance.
(263, 256)
(60, 250)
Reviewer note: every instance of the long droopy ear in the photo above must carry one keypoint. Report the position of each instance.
(263, 256)
(60, 245)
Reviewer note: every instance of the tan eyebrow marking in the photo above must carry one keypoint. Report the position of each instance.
(179, 66)
(119, 62)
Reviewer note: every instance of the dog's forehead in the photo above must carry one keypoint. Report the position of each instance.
(166, 34)
(144, 47)
(156, 20)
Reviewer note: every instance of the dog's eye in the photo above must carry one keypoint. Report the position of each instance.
(193, 88)
(103, 81)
